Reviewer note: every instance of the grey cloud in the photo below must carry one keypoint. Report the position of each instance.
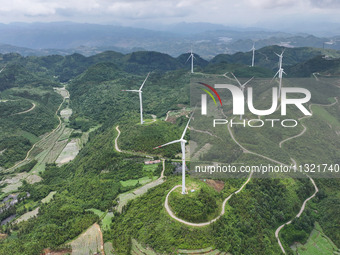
(325, 4)
(272, 4)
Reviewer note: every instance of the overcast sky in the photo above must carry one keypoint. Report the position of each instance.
(247, 13)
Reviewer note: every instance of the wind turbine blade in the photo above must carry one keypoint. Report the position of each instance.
(186, 127)
(176, 141)
(188, 58)
(144, 81)
(277, 54)
(247, 82)
(284, 72)
(276, 75)
(130, 90)
(239, 83)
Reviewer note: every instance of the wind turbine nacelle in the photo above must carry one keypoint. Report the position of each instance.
(239, 100)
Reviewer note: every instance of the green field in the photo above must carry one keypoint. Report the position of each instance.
(96, 212)
(150, 168)
(325, 115)
(123, 198)
(28, 215)
(318, 243)
(107, 220)
(137, 248)
(106, 217)
(141, 181)
(49, 197)
(87, 243)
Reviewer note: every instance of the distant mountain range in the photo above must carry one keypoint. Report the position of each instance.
(207, 40)
(297, 62)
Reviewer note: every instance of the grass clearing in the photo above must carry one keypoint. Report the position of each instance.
(28, 215)
(150, 168)
(96, 212)
(69, 152)
(49, 197)
(105, 217)
(133, 182)
(324, 114)
(107, 220)
(125, 197)
(317, 243)
(137, 248)
(88, 243)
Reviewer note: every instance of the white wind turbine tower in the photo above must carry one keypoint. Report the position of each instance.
(253, 58)
(192, 61)
(280, 71)
(140, 98)
(183, 142)
(242, 86)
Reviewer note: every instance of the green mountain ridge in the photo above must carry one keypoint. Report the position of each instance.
(93, 178)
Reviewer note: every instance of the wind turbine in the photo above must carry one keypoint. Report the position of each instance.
(280, 71)
(140, 98)
(192, 61)
(183, 142)
(253, 59)
(242, 86)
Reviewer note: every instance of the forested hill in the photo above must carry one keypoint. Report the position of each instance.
(265, 57)
(93, 181)
(64, 68)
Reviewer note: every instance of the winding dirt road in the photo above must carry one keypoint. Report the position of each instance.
(304, 203)
(167, 116)
(31, 109)
(116, 140)
(125, 197)
(297, 216)
(311, 179)
(304, 127)
(250, 152)
(28, 153)
(172, 215)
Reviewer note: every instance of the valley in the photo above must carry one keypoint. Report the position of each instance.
(87, 179)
